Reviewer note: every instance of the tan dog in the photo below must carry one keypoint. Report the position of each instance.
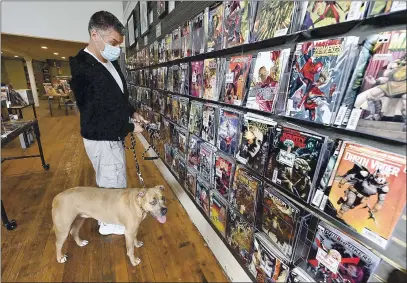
(127, 207)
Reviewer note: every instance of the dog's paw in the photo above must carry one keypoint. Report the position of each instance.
(138, 244)
(83, 243)
(63, 259)
(136, 261)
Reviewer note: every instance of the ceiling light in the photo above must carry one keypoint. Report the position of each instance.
(44, 47)
(63, 57)
(16, 56)
(55, 53)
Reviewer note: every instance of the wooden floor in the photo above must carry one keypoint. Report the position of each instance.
(173, 252)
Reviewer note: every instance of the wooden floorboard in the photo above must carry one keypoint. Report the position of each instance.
(173, 252)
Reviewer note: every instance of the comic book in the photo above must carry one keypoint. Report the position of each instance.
(265, 82)
(169, 155)
(156, 52)
(182, 145)
(239, 235)
(209, 123)
(375, 99)
(220, 77)
(161, 102)
(255, 141)
(175, 162)
(176, 78)
(162, 55)
(293, 160)
(198, 35)
(195, 118)
(155, 78)
(190, 182)
(224, 170)
(193, 152)
(206, 162)
(218, 212)
(215, 28)
(174, 136)
(176, 44)
(182, 171)
(155, 104)
(147, 97)
(279, 220)
(384, 7)
(168, 106)
(175, 109)
(336, 257)
(186, 39)
(236, 23)
(168, 47)
(165, 76)
(265, 263)
(183, 104)
(151, 53)
(229, 131)
(367, 191)
(320, 73)
(184, 88)
(236, 77)
(197, 79)
(170, 79)
(160, 78)
(210, 79)
(202, 195)
(297, 274)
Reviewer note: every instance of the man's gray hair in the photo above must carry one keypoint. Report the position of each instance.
(103, 20)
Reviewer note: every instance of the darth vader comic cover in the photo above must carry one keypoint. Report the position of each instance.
(218, 212)
(202, 195)
(215, 28)
(236, 23)
(190, 182)
(224, 171)
(293, 160)
(228, 131)
(184, 77)
(196, 88)
(198, 35)
(186, 39)
(209, 123)
(183, 104)
(206, 162)
(195, 118)
(194, 151)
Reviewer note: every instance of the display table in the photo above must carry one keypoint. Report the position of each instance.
(10, 131)
(58, 96)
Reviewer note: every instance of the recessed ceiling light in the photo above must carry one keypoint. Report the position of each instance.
(15, 56)
(44, 47)
(55, 53)
(63, 57)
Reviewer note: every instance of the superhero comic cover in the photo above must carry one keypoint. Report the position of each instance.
(197, 79)
(210, 79)
(168, 106)
(176, 44)
(215, 29)
(265, 83)
(202, 195)
(236, 23)
(238, 72)
(174, 136)
(320, 73)
(156, 101)
(182, 142)
(293, 160)
(168, 154)
(195, 118)
(198, 35)
(168, 47)
(255, 140)
(224, 170)
(367, 191)
(206, 162)
(193, 151)
(384, 7)
(170, 79)
(161, 102)
(166, 130)
(174, 109)
(156, 55)
(160, 79)
(183, 112)
(176, 73)
(186, 39)
(209, 123)
(299, 275)
(279, 220)
(184, 88)
(190, 182)
(334, 257)
(265, 263)
(218, 212)
(378, 87)
(162, 56)
(239, 235)
(244, 192)
(182, 171)
(175, 162)
(228, 131)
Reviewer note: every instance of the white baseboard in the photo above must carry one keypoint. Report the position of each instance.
(225, 258)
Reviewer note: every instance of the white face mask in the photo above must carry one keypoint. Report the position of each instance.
(110, 53)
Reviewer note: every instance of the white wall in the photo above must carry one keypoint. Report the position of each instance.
(65, 20)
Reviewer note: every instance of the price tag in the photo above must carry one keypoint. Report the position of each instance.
(383, 57)
(229, 78)
(340, 115)
(354, 11)
(354, 119)
(193, 78)
(146, 40)
(281, 32)
(328, 260)
(201, 51)
(158, 30)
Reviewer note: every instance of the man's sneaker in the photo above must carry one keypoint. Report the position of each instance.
(109, 229)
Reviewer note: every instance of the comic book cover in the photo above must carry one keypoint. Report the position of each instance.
(186, 39)
(175, 109)
(190, 182)
(176, 44)
(170, 79)
(236, 21)
(160, 78)
(220, 77)
(206, 162)
(168, 47)
(155, 78)
(156, 52)
(198, 35)
(176, 78)
(367, 191)
(161, 102)
(318, 78)
(265, 83)
(165, 76)
(195, 118)
(168, 154)
(210, 80)
(209, 123)
(378, 87)
(151, 53)
(228, 131)
(224, 170)
(197, 79)
(265, 263)
(168, 106)
(336, 257)
(202, 195)
(184, 88)
(182, 171)
(255, 141)
(218, 212)
(238, 72)
(154, 101)
(175, 162)
(183, 112)
(215, 28)
(193, 151)
(147, 97)
(239, 235)
(279, 220)
(182, 142)
(297, 274)
(384, 7)
(174, 136)
(162, 55)
(244, 192)
(293, 160)
(166, 130)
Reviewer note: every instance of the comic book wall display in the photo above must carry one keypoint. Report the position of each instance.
(293, 160)
(194, 151)
(206, 162)
(320, 72)
(335, 256)
(202, 195)
(244, 192)
(367, 191)
(184, 87)
(236, 77)
(239, 235)
(210, 87)
(229, 131)
(186, 39)
(209, 123)
(183, 104)
(190, 182)
(215, 28)
(224, 171)
(218, 212)
(182, 142)
(265, 263)
(176, 44)
(254, 143)
(198, 35)
(236, 23)
(197, 79)
(195, 118)
(265, 82)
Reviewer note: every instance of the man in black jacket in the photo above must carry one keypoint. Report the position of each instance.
(102, 98)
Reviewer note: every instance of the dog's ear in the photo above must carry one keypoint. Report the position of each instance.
(142, 193)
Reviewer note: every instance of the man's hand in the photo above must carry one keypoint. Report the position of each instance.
(139, 119)
(137, 128)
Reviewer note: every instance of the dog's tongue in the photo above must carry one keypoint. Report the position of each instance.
(162, 219)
